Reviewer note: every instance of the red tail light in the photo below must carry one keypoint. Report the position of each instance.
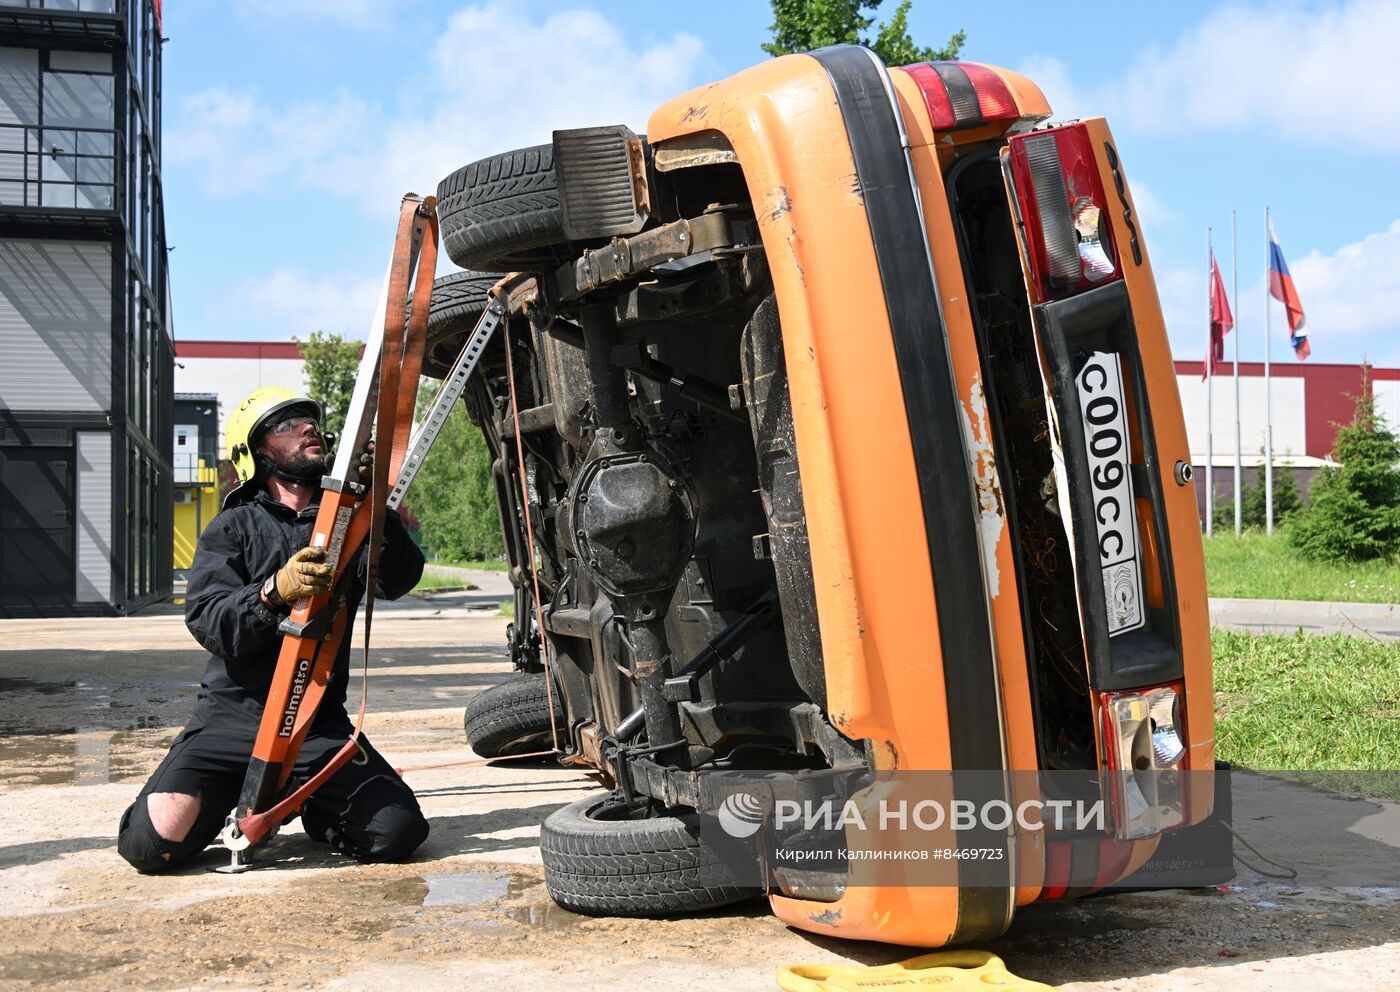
(963, 94)
(1064, 211)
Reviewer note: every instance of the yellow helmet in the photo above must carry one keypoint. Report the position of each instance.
(250, 416)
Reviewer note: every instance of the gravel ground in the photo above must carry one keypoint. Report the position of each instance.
(87, 707)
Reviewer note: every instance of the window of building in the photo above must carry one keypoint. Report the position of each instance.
(85, 6)
(57, 146)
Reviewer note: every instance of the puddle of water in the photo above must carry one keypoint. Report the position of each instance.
(544, 916)
(32, 685)
(469, 888)
(81, 756)
(473, 890)
(35, 706)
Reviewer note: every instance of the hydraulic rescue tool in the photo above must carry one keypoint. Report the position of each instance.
(351, 518)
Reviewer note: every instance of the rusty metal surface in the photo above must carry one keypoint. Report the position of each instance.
(625, 257)
(691, 150)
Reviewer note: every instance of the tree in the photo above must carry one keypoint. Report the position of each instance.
(1253, 512)
(330, 363)
(802, 25)
(453, 495)
(1354, 514)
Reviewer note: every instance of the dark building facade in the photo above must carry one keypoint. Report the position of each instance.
(86, 356)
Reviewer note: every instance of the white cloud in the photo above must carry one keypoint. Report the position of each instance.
(1288, 70)
(1182, 292)
(288, 301)
(1350, 297)
(1285, 68)
(1154, 214)
(1053, 78)
(537, 75)
(234, 143)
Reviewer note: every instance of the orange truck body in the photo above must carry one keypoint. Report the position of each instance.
(887, 644)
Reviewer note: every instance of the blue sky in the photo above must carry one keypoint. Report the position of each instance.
(292, 126)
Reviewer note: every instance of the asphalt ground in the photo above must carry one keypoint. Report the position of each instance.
(87, 708)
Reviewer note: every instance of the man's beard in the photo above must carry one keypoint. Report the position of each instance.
(300, 468)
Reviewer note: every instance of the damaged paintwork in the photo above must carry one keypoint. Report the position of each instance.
(778, 205)
(991, 511)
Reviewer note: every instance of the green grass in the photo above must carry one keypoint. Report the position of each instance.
(507, 609)
(433, 583)
(1256, 566)
(1307, 702)
(487, 565)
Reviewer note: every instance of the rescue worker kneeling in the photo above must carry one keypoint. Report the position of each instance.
(251, 563)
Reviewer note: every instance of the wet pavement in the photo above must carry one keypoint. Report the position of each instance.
(88, 706)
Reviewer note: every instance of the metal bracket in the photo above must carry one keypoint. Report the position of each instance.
(318, 626)
(239, 848)
(625, 257)
(341, 486)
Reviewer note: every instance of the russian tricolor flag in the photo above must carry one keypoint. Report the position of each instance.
(1281, 288)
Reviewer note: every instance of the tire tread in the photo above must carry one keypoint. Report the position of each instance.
(496, 719)
(493, 210)
(647, 868)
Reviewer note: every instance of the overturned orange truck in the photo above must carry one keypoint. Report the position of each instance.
(841, 434)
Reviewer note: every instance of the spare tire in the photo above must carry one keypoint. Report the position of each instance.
(458, 300)
(607, 859)
(496, 214)
(513, 718)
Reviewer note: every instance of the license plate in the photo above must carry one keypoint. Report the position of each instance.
(1100, 388)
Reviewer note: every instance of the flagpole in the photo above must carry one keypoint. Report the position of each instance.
(1235, 309)
(1210, 389)
(1268, 393)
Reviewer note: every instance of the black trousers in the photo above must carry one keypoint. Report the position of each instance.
(365, 810)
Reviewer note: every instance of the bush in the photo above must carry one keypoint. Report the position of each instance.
(1253, 511)
(453, 496)
(1354, 512)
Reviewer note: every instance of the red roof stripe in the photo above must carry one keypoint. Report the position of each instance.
(1281, 370)
(237, 349)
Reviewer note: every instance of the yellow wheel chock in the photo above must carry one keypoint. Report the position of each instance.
(949, 971)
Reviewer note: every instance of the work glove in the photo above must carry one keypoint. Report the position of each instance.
(366, 465)
(303, 575)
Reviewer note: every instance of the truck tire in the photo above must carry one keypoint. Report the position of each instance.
(606, 860)
(496, 214)
(513, 717)
(458, 300)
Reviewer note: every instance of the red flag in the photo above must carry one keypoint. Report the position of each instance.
(1220, 319)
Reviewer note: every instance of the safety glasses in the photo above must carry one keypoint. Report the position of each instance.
(290, 423)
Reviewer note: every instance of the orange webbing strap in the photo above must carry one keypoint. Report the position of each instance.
(475, 761)
(415, 336)
(530, 536)
(399, 366)
(258, 825)
(295, 695)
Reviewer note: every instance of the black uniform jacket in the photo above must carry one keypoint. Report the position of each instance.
(241, 547)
